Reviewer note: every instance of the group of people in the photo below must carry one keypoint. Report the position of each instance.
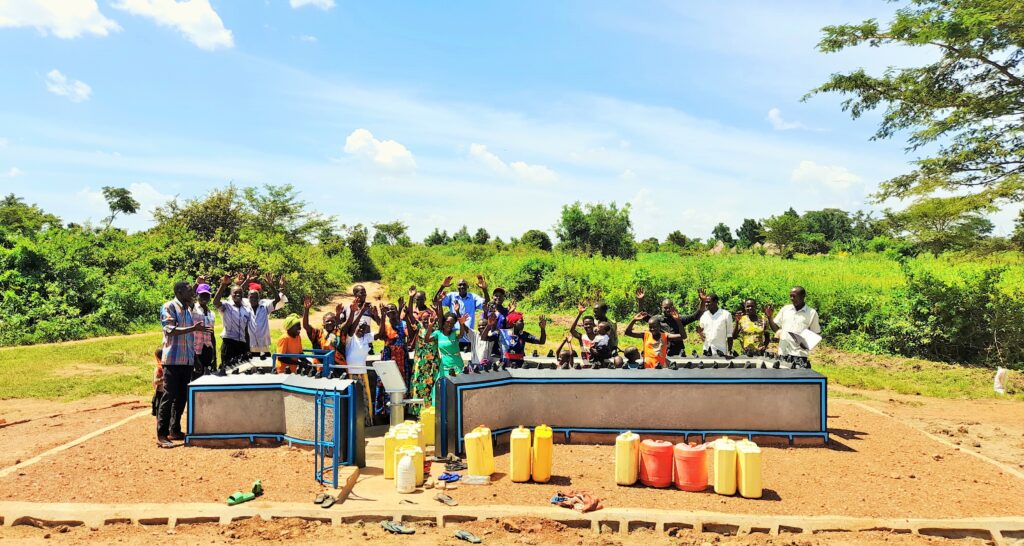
(453, 332)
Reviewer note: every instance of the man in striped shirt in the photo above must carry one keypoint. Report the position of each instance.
(178, 359)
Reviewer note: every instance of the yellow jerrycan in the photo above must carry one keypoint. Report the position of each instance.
(519, 455)
(428, 416)
(389, 455)
(725, 466)
(542, 453)
(488, 449)
(475, 454)
(748, 469)
(627, 458)
(417, 460)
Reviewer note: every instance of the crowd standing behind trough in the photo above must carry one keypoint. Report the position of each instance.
(455, 332)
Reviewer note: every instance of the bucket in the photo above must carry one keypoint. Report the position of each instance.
(519, 455)
(428, 416)
(542, 453)
(748, 469)
(691, 467)
(656, 463)
(627, 458)
(725, 466)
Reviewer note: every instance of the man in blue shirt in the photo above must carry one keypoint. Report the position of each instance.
(462, 302)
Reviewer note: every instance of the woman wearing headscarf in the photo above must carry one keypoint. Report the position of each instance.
(290, 343)
(753, 330)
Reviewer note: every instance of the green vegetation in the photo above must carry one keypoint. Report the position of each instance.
(948, 308)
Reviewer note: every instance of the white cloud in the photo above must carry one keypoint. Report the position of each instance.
(74, 90)
(308, 38)
(322, 4)
(833, 177)
(196, 19)
(384, 153)
(13, 171)
(518, 169)
(64, 18)
(627, 175)
(779, 124)
(94, 206)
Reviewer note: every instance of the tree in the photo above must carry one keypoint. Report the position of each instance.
(217, 216)
(120, 201)
(783, 231)
(1018, 231)
(834, 224)
(357, 239)
(462, 236)
(537, 239)
(23, 219)
(596, 229)
(648, 245)
(750, 232)
(677, 238)
(938, 224)
(437, 237)
(278, 209)
(965, 110)
(391, 233)
(722, 233)
(481, 236)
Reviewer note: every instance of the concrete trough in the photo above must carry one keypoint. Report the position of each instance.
(738, 401)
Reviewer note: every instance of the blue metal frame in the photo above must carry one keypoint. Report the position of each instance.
(349, 394)
(443, 404)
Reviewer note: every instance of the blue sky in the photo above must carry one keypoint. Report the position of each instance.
(441, 114)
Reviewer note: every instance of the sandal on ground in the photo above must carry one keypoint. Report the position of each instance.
(238, 498)
(445, 499)
(328, 501)
(397, 528)
(320, 498)
(164, 443)
(467, 536)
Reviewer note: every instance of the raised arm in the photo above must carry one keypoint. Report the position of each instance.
(382, 332)
(280, 289)
(769, 316)
(440, 291)
(543, 323)
(307, 302)
(355, 314)
(572, 329)
(224, 282)
(629, 329)
(482, 285)
(640, 298)
(674, 316)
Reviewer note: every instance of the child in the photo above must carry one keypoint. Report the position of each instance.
(632, 355)
(655, 340)
(158, 380)
(357, 348)
(290, 343)
(513, 341)
(565, 356)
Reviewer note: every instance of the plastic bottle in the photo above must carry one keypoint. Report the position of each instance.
(488, 449)
(389, 455)
(725, 466)
(656, 463)
(519, 455)
(627, 458)
(542, 453)
(417, 458)
(691, 467)
(748, 469)
(428, 418)
(405, 480)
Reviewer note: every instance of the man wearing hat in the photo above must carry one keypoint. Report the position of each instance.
(205, 346)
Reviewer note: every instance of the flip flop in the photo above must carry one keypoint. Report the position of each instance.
(238, 498)
(467, 536)
(328, 502)
(445, 499)
(449, 477)
(397, 528)
(320, 498)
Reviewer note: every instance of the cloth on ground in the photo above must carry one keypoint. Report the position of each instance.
(584, 501)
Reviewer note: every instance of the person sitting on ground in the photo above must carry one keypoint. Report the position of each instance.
(290, 343)
(601, 315)
(513, 340)
(468, 304)
(331, 337)
(752, 329)
(158, 380)
(655, 340)
(260, 310)
(236, 316)
(676, 347)
(716, 328)
(793, 319)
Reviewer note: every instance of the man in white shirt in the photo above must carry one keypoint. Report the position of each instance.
(793, 318)
(259, 312)
(716, 327)
(236, 317)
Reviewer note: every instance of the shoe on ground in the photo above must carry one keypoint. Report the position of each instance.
(176, 436)
(163, 442)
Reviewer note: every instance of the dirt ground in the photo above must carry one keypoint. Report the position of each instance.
(874, 466)
(501, 531)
